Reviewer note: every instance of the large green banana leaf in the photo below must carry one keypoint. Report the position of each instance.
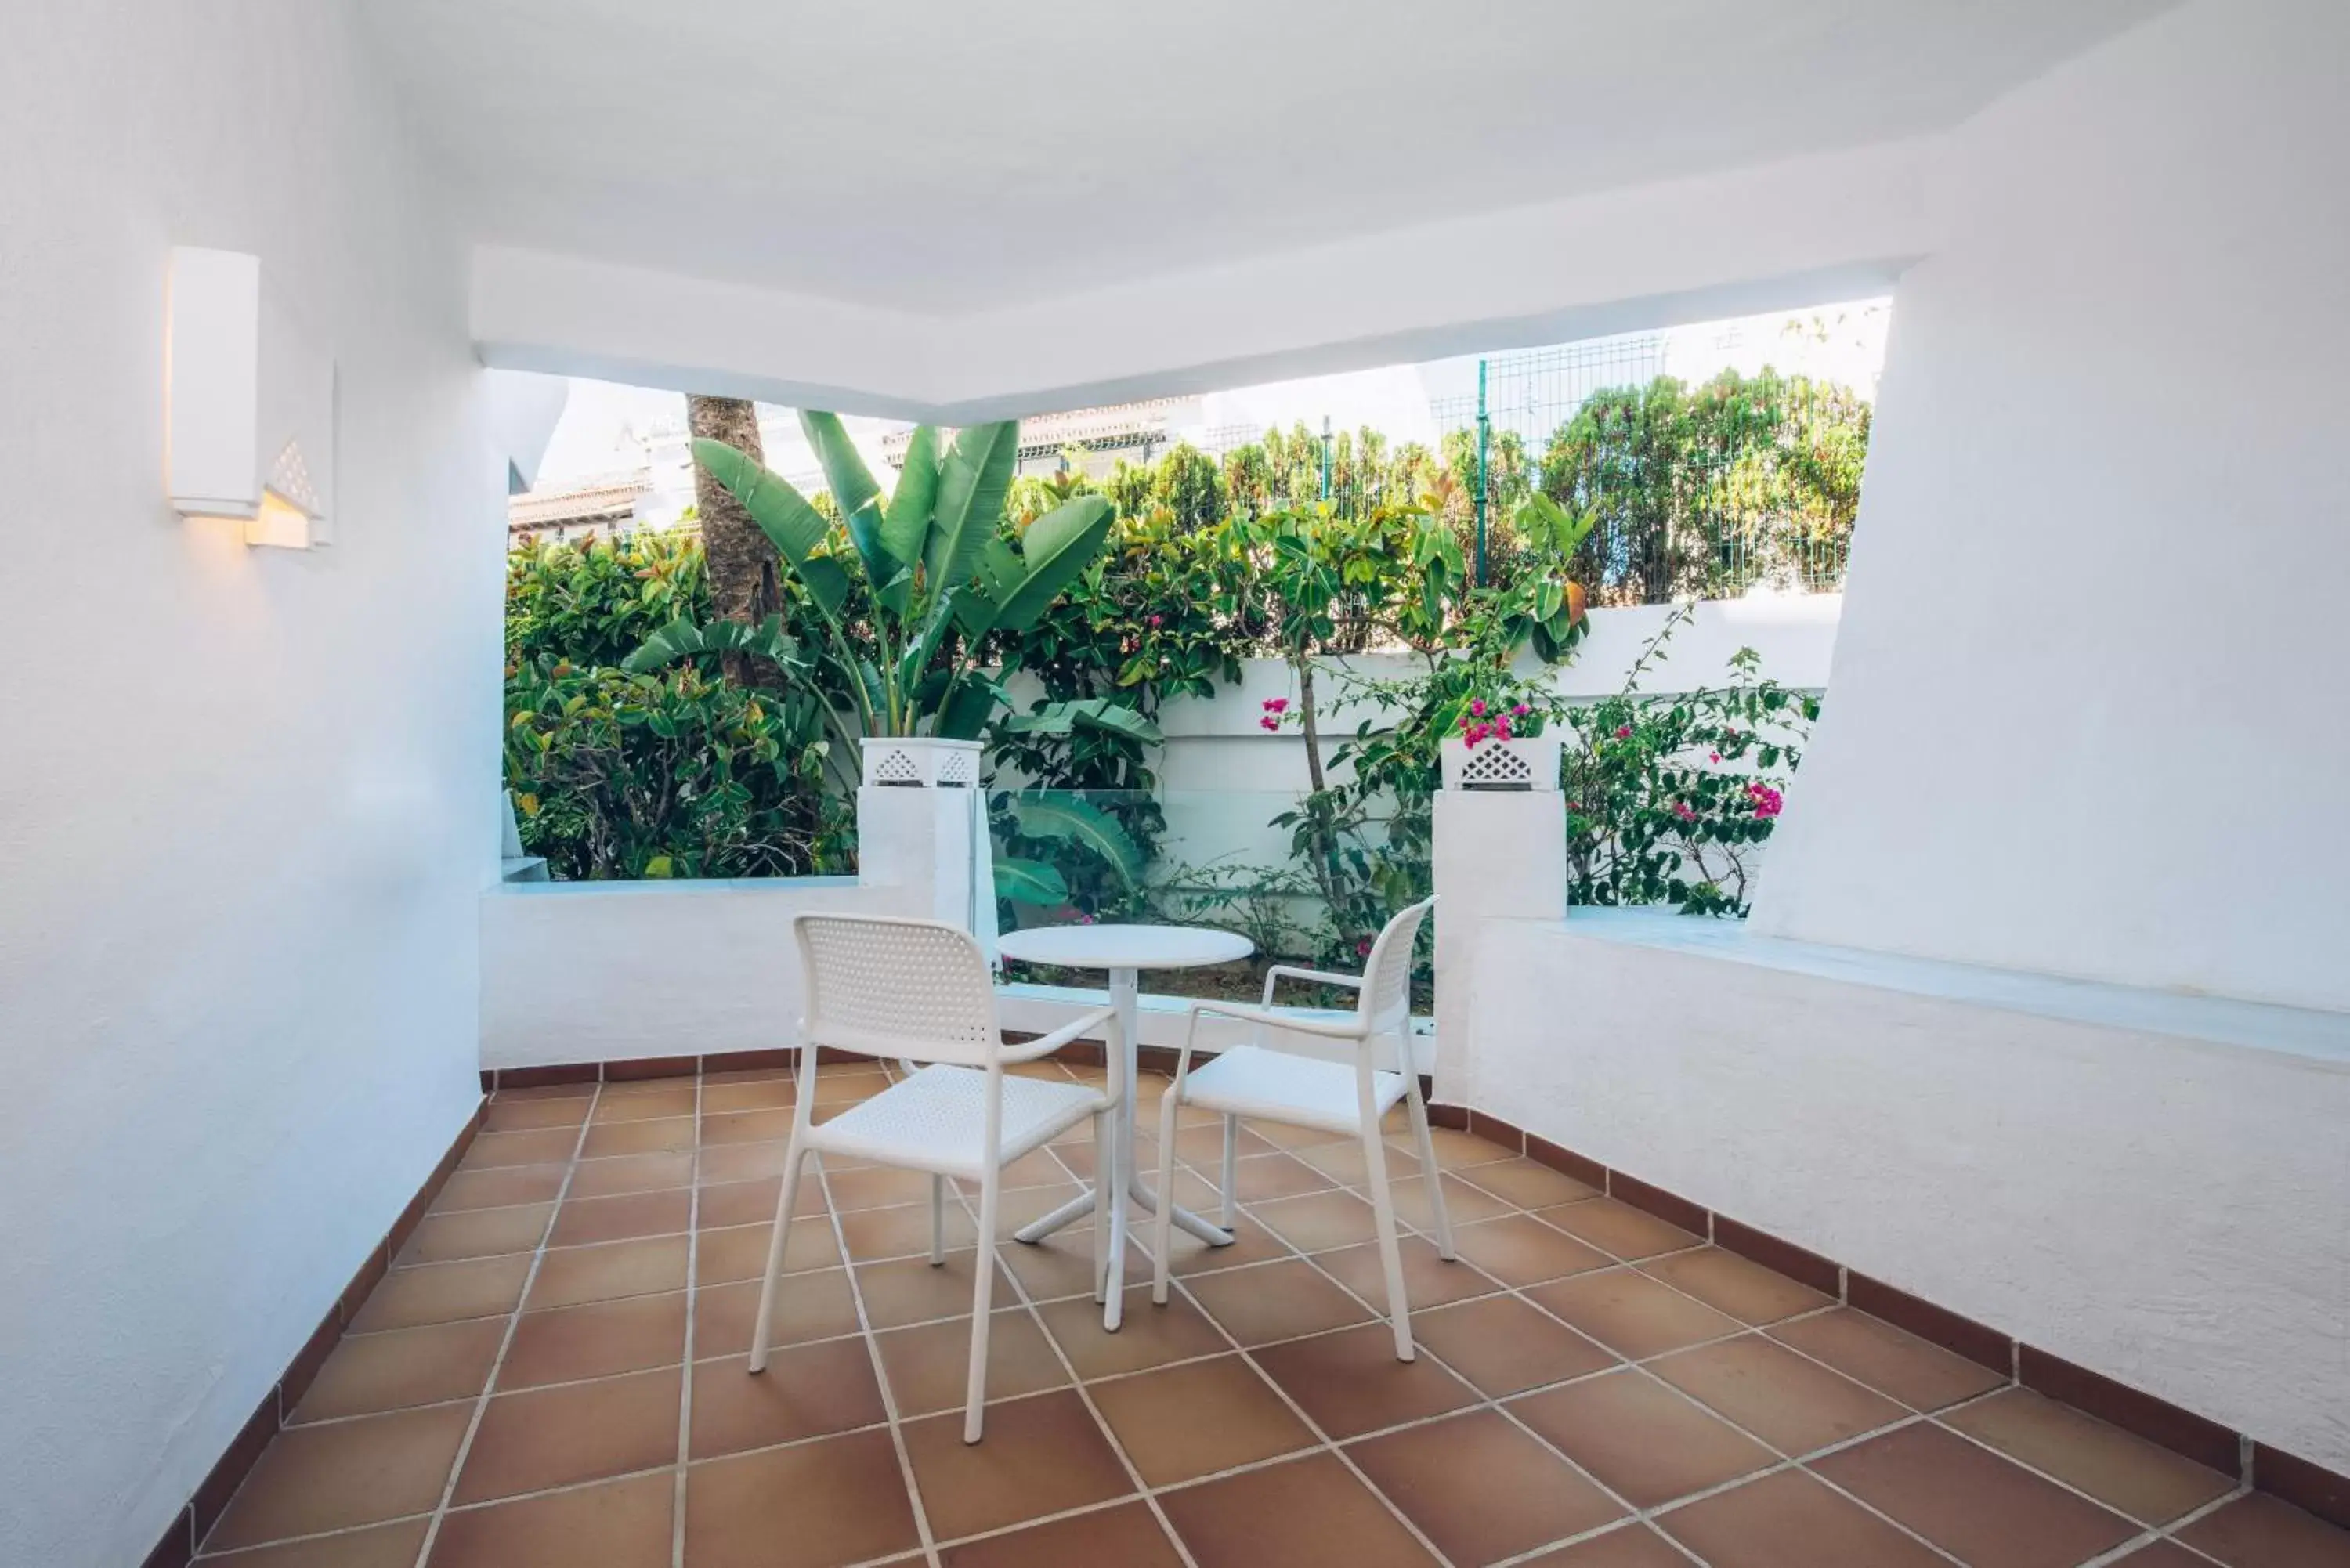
(1029, 881)
(1054, 550)
(1091, 714)
(684, 640)
(971, 487)
(1070, 820)
(907, 520)
(784, 514)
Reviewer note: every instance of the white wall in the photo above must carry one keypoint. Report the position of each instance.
(2165, 1211)
(2089, 707)
(606, 971)
(246, 797)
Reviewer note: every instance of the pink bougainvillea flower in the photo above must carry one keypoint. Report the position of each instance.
(1276, 704)
(1681, 809)
(1713, 756)
(1501, 729)
(1158, 620)
(1623, 731)
(1270, 723)
(1477, 706)
(1520, 712)
(1362, 947)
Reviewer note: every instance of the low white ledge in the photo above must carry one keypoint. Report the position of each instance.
(2259, 1025)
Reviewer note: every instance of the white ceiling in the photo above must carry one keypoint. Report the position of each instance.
(943, 156)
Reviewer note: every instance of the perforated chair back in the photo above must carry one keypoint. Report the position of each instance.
(1386, 1004)
(882, 986)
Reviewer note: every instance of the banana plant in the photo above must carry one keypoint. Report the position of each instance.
(934, 562)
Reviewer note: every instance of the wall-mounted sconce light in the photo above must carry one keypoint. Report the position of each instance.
(250, 423)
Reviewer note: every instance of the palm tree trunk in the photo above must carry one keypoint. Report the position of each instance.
(738, 557)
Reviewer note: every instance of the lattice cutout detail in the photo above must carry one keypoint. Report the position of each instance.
(1526, 763)
(1491, 766)
(898, 988)
(290, 477)
(958, 768)
(896, 768)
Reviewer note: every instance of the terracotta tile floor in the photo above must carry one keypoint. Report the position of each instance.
(553, 1378)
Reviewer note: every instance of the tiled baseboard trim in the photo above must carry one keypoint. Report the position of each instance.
(2306, 1485)
(198, 1515)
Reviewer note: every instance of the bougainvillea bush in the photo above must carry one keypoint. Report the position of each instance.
(1671, 799)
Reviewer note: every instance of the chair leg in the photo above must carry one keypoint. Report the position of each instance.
(982, 1292)
(1428, 1173)
(762, 1326)
(1375, 1161)
(938, 1220)
(1101, 1210)
(1231, 1214)
(1163, 1223)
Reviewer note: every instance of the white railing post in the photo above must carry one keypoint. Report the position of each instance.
(1498, 853)
(920, 828)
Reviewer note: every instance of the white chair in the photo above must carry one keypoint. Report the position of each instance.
(918, 990)
(1255, 1081)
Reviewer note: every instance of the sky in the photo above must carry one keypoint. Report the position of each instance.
(605, 425)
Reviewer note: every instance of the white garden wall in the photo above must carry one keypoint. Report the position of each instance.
(2149, 1186)
(245, 809)
(2089, 692)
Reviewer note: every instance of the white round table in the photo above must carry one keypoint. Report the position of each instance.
(1124, 952)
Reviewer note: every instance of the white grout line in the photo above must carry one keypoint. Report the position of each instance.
(685, 1367)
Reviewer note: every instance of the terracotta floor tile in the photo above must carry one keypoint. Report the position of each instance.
(1350, 1384)
(379, 1546)
(587, 1221)
(585, 1431)
(747, 1127)
(614, 1524)
(570, 1275)
(1061, 1263)
(662, 1135)
(368, 1373)
(1480, 1488)
(1794, 1405)
(1972, 1504)
(443, 1292)
(1304, 1513)
(1791, 1521)
(872, 1234)
(1633, 1547)
(1505, 1346)
(838, 1085)
(1530, 1184)
(752, 1512)
(1618, 1229)
(1640, 1438)
(1522, 1251)
(331, 1477)
(492, 1151)
(1922, 1375)
(1346, 1163)
(1250, 1243)
(1739, 1287)
(630, 1173)
(752, 1162)
(1125, 1536)
(2258, 1532)
(1275, 1301)
(1202, 1146)
(1263, 1178)
(597, 1340)
(1017, 1205)
(1040, 1455)
(926, 1366)
(498, 1188)
(1147, 1335)
(645, 1102)
(582, 1091)
(477, 1233)
(1181, 1423)
(1463, 1204)
(1632, 1314)
(2162, 1554)
(814, 1305)
(1318, 1221)
(806, 1391)
(739, 1251)
(1427, 1280)
(2124, 1472)
(1457, 1150)
(876, 1187)
(758, 1095)
(911, 1290)
(727, 1204)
